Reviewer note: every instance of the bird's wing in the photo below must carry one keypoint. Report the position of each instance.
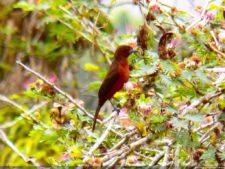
(111, 78)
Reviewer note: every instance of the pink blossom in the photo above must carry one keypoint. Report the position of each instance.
(221, 36)
(155, 8)
(128, 86)
(123, 113)
(26, 83)
(131, 85)
(64, 157)
(209, 15)
(53, 78)
(175, 42)
(222, 24)
(144, 108)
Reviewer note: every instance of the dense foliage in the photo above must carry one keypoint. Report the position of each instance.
(172, 110)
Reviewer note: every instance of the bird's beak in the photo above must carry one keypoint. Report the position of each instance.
(133, 50)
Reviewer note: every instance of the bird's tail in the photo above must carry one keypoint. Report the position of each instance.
(96, 116)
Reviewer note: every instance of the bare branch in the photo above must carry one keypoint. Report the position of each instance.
(203, 138)
(27, 114)
(4, 138)
(70, 98)
(100, 140)
(214, 49)
(204, 126)
(217, 69)
(157, 158)
(196, 103)
(214, 38)
(200, 17)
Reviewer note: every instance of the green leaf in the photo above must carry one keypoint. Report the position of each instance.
(25, 6)
(194, 117)
(209, 155)
(222, 155)
(169, 66)
(144, 71)
(179, 123)
(214, 6)
(158, 119)
(183, 138)
(94, 85)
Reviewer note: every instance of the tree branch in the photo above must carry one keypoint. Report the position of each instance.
(100, 140)
(196, 103)
(70, 98)
(26, 113)
(4, 138)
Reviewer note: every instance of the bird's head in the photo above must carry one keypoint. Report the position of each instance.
(124, 51)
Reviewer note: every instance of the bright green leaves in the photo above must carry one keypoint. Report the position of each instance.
(94, 85)
(91, 67)
(158, 118)
(144, 71)
(25, 6)
(209, 156)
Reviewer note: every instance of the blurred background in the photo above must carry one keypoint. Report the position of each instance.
(71, 43)
(30, 35)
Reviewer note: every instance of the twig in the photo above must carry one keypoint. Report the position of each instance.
(199, 18)
(100, 140)
(157, 158)
(142, 155)
(196, 103)
(217, 69)
(28, 112)
(203, 138)
(70, 98)
(133, 146)
(214, 38)
(25, 112)
(4, 138)
(215, 50)
(112, 115)
(166, 156)
(168, 6)
(121, 142)
(176, 155)
(204, 126)
(220, 79)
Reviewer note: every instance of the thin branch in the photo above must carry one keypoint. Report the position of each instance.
(142, 155)
(70, 98)
(203, 138)
(4, 138)
(112, 115)
(168, 6)
(28, 112)
(199, 18)
(215, 50)
(176, 154)
(131, 147)
(100, 140)
(204, 126)
(157, 158)
(196, 103)
(166, 156)
(121, 142)
(214, 38)
(24, 115)
(217, 69)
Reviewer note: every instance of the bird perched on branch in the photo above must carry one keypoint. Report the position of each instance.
(117, 75)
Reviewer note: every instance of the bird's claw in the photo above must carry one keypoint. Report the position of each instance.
(117, 110)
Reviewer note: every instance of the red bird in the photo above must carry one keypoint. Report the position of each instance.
(117, 75)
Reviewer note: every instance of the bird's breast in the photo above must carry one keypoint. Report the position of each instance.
(124, 72)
